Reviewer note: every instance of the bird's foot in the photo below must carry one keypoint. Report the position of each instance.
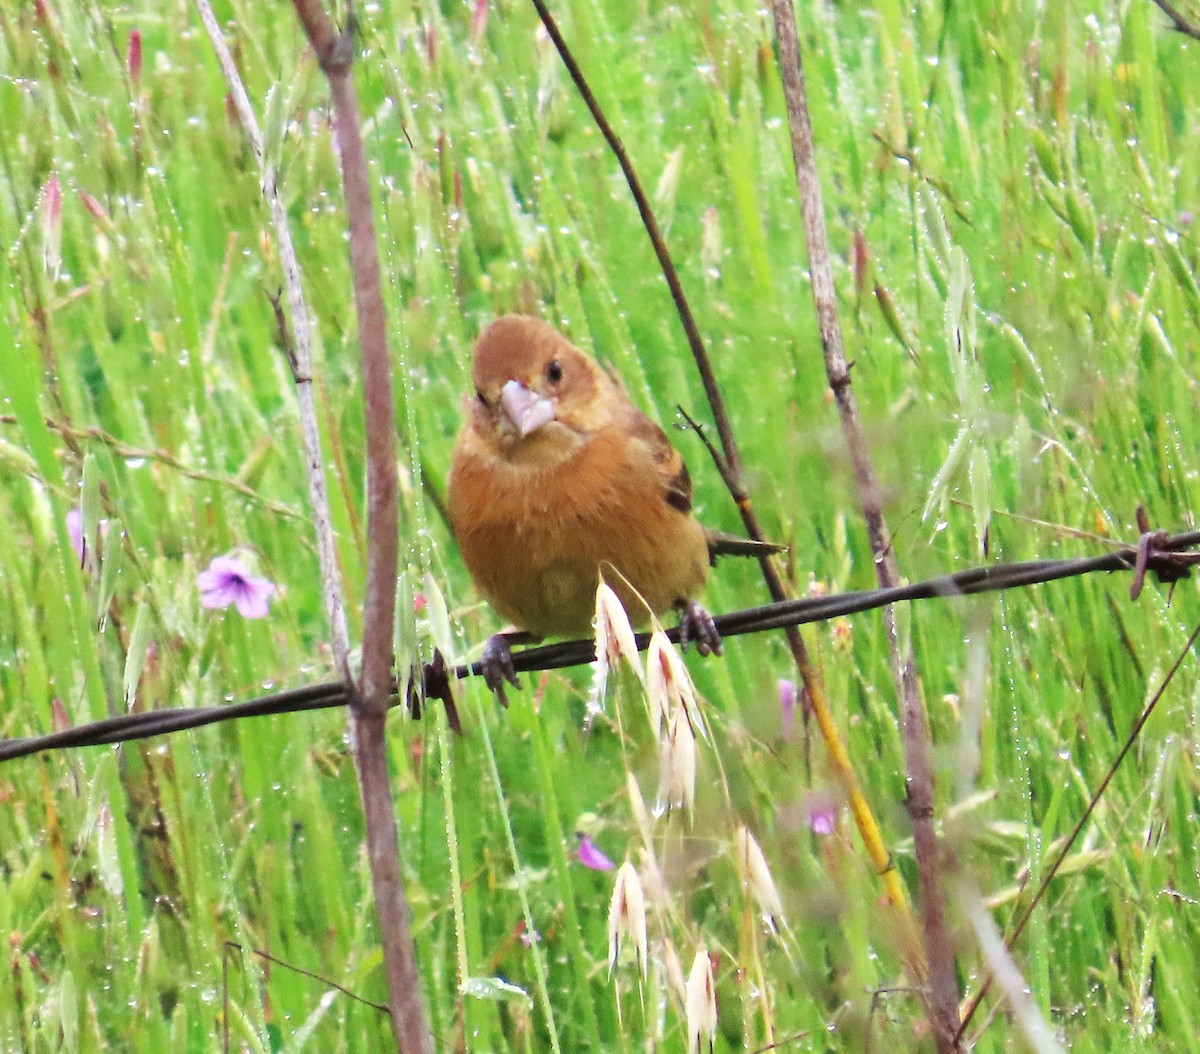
(696, 624)
(496, 665)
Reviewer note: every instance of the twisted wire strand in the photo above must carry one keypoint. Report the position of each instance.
(1166, 557)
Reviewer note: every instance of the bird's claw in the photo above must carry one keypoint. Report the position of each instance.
(496, 665)
(696, 624)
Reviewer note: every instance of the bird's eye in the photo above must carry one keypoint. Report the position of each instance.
(554, 371)
(482, 398)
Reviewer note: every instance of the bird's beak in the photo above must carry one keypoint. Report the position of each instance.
(527, 410)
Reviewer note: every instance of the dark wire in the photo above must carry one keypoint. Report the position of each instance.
(1165, 559)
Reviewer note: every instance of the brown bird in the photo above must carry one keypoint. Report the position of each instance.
(557, 477)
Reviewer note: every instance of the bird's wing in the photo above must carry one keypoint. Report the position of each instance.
(677, 489)
(677, 484)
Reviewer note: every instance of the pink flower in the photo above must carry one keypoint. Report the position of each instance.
(589, 855)
(228, 581)
(787, 706)
(822, 814)
(52, 226)
(79, 543)
(479, 19)
(133, 57)
(93, 206)
(75, 533)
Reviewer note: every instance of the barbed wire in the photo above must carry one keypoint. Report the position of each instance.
(1164, 555)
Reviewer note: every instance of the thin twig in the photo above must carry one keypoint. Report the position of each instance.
(729, 466)
(939, 949)
(312, 975)
(1028, 1017)
(1070, 840)
(298, 347)
(941, 186)
(225, 1001)
(369, 703)
(1181, 24)
(126, 451)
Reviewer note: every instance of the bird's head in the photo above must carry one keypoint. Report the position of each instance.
(537, 396)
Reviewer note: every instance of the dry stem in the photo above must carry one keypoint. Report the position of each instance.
(942, 997)
(369, 705)
(729, 465)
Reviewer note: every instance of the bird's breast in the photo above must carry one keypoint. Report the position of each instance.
(536, 537)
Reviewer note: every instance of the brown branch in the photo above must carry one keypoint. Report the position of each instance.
(729, 465)
(327, 981)
(1180, 23)
(369, 703)
(942, 996)
(297, 345)
(940, 186)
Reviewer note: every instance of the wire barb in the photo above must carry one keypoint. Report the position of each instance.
(1154, 554)
(1165, 556)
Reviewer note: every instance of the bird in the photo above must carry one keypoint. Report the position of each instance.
(558, 478)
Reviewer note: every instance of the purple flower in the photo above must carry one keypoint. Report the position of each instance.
(75, 533)
(52, 226)
(822, 814)
(528, 937)
(590, 855)
(79, 542)
(787, 706)
(228, 581)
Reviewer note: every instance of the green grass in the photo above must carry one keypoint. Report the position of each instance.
(1024, 177)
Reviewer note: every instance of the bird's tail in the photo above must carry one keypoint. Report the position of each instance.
(722, 544)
